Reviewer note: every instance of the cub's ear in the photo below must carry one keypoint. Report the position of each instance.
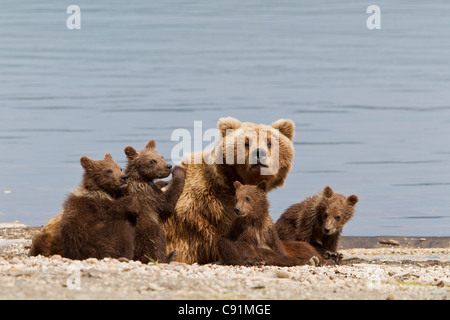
(327, 192)
(352, 200)
(262, 186)
(86, 163)
(151, 144)
(286, 127)
(108, 156)
(237, 185)
(228, 123)
(130, 152)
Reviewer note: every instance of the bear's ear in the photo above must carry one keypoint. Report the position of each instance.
(108, 156)
(262, 186)
(151, 144)
(228, 123)
(327, 192)
(352, 200)
(286, 127)
(130, 152)
(237, 185)
(87, 163)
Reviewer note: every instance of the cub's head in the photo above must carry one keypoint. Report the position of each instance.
(336, 211)
(146, 164)
(257, 152)
(105, 175)
(251, 200)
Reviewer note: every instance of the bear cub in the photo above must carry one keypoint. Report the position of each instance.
(318, 220)
(252, 239)
(98, 219)
(157, 205)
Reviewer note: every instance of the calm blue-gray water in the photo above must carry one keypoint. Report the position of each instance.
(371, 107)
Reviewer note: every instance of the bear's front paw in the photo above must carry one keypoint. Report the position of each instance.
(161, 184)
(178, 173)
(336, 257)
(255, 263)
(172, 256)
(133, 206)
(314, 261)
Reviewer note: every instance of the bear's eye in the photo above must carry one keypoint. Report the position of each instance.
(247, 199)
(109, 171)
(325, 215)
(247, 144)
(337, 218)
(269, 144)
(153, 161)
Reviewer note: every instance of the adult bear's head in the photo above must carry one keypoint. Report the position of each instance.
(256, 152)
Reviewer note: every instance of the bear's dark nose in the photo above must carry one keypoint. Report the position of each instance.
(169, 167)
(260, 155)
(237, 210)
(326, 230)
(124, 178)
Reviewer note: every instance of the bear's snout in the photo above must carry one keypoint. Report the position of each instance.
(260, 156)
(237, 210)
(124, 178)
(169, 167)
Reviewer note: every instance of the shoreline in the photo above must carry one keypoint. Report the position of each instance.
(412, 269)
(18, 230)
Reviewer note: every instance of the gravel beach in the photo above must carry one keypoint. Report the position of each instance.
(386, 272)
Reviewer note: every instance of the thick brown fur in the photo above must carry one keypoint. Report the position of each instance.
(318, 220)
(205, 210)
(48, 241)
(252, 239)
(143, 168)
(98, 220)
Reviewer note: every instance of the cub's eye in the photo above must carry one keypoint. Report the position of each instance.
(325, 215)
(247, 199)
(109, 171)
(269, 144)
(337, 218)
(153, 161)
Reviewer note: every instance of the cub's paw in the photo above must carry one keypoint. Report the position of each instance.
(172, 255)
(178, 173)
(314, 261)
(162, 184)
(336, 257)
(133, 206)
(256, 263)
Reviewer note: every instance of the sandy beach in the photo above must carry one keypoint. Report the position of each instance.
(407, 269)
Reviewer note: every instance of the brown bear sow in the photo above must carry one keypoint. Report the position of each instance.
(247, 152)
(318, 220)
(252, 239)
(143, 168)
(98, 221)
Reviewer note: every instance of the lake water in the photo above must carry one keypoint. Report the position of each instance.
(371, 107)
